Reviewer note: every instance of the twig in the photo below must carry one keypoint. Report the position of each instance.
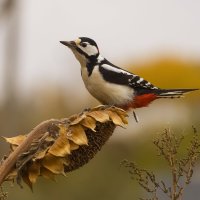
(181, 167)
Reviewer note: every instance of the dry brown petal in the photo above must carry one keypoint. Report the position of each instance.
(66, 161)
(78, 119)
(34, 171)
(115, 118)
(26, 179)
(13, 147)
(124, 119)
(49, 139)
(77, 134)
(119, 111)
(100, 116)
(40, 155)
(90, 123)
(17, 140)
(61, 146)
(73, 146)
(47, 174)
(122, 113)
(53, 163)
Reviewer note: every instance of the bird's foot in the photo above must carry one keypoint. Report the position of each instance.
(85, 110)
(103, 107)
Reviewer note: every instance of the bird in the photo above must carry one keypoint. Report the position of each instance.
(112, 85)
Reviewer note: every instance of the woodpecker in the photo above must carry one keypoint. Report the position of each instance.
(112, 85)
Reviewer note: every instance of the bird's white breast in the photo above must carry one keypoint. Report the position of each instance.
(105, 92)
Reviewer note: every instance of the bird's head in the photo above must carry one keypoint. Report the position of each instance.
(85, 49)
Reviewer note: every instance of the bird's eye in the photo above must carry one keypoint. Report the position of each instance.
(83, 44)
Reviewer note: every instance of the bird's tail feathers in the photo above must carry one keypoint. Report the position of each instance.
(172, 93)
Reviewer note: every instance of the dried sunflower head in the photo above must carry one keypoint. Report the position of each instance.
(66, 145)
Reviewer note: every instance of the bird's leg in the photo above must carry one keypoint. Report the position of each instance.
(135, 116)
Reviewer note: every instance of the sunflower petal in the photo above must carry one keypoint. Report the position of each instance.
(100, 116)
(122, 113)
(61, 146)
(34, 172)
(78, 119)
(89, 122)
(53, 163)
(73, 146)
(47, 173)
(26, 179)
(17, 140)
(40, 155)
(115, 118)
(77, 135)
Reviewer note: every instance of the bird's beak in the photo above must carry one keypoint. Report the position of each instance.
(69, 44)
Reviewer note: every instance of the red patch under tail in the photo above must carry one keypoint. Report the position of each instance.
(140, 101)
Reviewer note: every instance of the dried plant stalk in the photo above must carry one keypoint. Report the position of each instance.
(181, 169)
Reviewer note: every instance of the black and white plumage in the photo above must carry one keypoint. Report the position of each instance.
(112, 85)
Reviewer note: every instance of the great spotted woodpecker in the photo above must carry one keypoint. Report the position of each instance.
(112, 85)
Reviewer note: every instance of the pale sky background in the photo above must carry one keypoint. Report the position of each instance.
(125, 31)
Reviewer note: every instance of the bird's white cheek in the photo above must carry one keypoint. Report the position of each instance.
(89, 50)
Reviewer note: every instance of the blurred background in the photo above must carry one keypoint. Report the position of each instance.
(40, 79)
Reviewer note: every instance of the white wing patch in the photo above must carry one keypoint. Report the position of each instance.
(114, 69)
(140, 80)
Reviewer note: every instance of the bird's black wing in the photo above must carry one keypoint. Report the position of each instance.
(116, 75)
